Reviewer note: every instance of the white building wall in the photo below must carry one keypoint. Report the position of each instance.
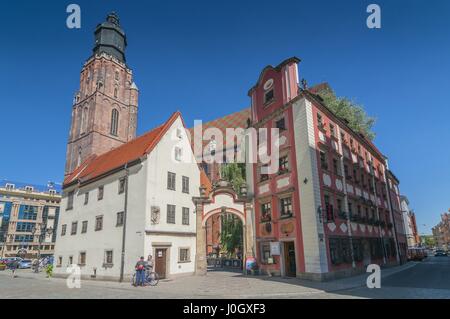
(159, 163)
(147, 187)
(312, 229)
(96, 243)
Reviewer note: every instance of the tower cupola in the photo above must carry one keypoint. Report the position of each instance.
(110, 38)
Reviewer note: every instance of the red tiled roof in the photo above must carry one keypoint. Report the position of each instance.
(234, 120)
(205, 182)
(96, 166)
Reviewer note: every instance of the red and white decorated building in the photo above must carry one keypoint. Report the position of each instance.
(327, 211)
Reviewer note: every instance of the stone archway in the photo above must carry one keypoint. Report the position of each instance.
(222, 198)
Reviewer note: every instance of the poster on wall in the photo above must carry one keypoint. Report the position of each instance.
(275, 248)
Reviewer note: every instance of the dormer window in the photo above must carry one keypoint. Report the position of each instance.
(29, 188)
(52, 192)
(10, 186)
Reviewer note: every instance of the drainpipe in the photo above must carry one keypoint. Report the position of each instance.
(122, 259)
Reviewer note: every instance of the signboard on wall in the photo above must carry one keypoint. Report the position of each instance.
(275, 248)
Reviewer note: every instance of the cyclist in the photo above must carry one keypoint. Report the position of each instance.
(140, 272)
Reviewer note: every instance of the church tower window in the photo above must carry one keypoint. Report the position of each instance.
(114, 121)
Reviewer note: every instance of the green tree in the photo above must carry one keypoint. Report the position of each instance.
(428, 240)
(350, 111)
(235, 174)
(231, 234)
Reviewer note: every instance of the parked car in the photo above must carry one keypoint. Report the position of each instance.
(25, 264)
(440, 253)
(2, 264)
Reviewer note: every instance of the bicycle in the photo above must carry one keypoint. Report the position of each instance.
(151, 279)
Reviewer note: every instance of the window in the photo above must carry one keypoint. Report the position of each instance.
(184, 255)
(70, 260)
(70, 200)
(10, 186)
(121, 185)
(171, 181)
(339, 205)
(323, 160)
(286, 207)
(347, 176)
(329, 209)
(63, 230)
(73, 229)
(115, 92)
(119, 221)
(357, 250)
(280, 124)
(283, 164)
(265, 252)
(100, 193)
(28, 212)
(336, 167)
(116, 75)
(268, 97)
(86, 198)
(185, 184)
(319, 120)
(178, 153)
(84, 226)
(59, 262)
(266, 212)
(114, 122)
(28, 188)
(185, 217)
(339, 250)
(109, 257)
(82, 259)
(98, 223)
(332, 130)
(171, 214)
(263, 176)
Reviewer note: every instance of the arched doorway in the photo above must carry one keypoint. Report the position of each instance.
(223, 201)
(224, 241)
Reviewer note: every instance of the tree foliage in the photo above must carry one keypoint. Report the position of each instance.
(235, 174)
(231, 234)
(350, 111)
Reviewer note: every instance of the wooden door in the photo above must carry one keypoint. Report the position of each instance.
(289, 259)
(160, 262)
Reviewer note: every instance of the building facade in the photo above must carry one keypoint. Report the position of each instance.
(409, 221)
(327, 209)
(441, 232)
(133, 201)
(28, 219)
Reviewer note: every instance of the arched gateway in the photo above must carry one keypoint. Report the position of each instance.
(222, 199)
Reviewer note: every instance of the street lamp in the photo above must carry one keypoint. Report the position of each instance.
(43, 232)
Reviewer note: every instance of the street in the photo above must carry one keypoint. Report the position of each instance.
(427, 279)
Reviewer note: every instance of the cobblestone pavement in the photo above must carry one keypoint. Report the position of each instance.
(429, 279)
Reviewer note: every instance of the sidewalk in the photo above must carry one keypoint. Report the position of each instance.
(213, 285)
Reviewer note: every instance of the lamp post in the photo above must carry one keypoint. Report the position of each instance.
(43, 231)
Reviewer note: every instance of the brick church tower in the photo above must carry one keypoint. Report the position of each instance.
(104, 112)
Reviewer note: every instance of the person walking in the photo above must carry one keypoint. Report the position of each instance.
(13, 266)
(140, 272)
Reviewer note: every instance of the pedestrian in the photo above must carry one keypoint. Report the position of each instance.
(140, 272)
(13, 266)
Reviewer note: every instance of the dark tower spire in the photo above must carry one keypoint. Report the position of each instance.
(110, 38)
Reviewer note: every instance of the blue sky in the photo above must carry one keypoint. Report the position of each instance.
(201, 57)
